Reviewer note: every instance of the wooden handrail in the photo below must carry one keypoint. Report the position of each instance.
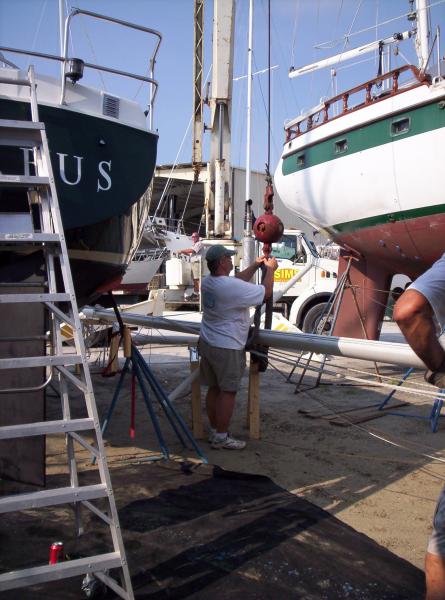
(294, 129)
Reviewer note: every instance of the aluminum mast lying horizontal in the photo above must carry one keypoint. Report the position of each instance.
(385, 352)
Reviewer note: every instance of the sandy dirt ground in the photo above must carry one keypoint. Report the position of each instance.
(380, 476)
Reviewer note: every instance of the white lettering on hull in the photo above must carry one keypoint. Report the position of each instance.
(104, 181)
(105, 175)
(62, 169)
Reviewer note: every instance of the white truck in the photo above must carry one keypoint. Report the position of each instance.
(302, 304)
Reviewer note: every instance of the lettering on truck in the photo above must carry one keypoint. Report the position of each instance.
(282, 275)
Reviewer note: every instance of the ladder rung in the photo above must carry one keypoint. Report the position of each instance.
(19, 238)
(40, 361)
(20, 133)
(15, 124)
(12, 81)
(23, 180)
(70, 568)
(10, 432)
(65, 495)
(20, 298)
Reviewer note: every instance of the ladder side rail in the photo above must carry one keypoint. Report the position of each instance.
(80, 348)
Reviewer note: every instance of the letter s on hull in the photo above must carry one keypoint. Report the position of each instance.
(105, 175)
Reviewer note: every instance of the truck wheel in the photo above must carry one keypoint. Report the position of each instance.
(314, 322)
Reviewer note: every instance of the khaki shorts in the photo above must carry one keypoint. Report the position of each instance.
(436, 544)
(196, 269)
(221, 367)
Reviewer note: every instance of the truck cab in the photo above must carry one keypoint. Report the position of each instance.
(304, 303)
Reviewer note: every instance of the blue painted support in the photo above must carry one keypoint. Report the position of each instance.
(435, 413)
(113, 402)
(154, 418)
(160, 392)
(137, 356)
(391, 394)
(115, 396)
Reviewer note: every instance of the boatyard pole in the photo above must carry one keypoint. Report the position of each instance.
(248, 239)
(218, 192)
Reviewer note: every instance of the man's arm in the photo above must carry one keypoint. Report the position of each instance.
(247, 273)
(271, 266)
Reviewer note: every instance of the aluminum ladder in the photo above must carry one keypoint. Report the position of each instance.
(60, 307)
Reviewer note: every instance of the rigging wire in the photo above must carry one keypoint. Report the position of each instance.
(333, 43)
(93, 53)
(294, 32)
(37, 30)
(169, 179)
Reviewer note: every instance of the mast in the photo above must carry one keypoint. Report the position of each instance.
(423, 34)
(249, 99)
(248, 239)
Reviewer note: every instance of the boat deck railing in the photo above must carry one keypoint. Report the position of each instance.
(67, 62)
(167, 225)
(370, 92)
(150, 254)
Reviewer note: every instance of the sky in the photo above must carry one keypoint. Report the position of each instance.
(298, 28)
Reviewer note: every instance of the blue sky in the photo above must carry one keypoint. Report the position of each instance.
(297, 26)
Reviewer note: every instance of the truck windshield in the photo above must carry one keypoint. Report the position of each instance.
(285, 248)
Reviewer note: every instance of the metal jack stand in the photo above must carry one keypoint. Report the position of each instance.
(435, 411)
(141, 372)
(325, 326)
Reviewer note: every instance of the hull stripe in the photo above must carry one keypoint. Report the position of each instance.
(376, 220)
(391, 129)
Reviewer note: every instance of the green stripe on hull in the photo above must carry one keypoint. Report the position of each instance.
(421, 120)
(384, 219)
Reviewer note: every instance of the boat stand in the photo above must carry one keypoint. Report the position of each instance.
(434, 416)
(141, 372)
(328, 317)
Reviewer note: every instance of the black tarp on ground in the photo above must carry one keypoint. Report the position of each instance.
(202, 533)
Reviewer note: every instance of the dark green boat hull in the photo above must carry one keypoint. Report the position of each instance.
(102, 169)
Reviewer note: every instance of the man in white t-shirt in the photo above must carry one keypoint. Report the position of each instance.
(224, 329)
(196, 253)
(414, 313)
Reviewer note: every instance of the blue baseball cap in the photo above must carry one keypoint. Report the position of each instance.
(217, 252)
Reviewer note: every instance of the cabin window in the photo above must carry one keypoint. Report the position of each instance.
(341, 146)
(400, 126)
(300, 160)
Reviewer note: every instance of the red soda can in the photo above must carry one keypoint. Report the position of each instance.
(55, 553)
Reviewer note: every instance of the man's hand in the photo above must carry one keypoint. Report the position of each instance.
(271, 263)
(259, 260)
